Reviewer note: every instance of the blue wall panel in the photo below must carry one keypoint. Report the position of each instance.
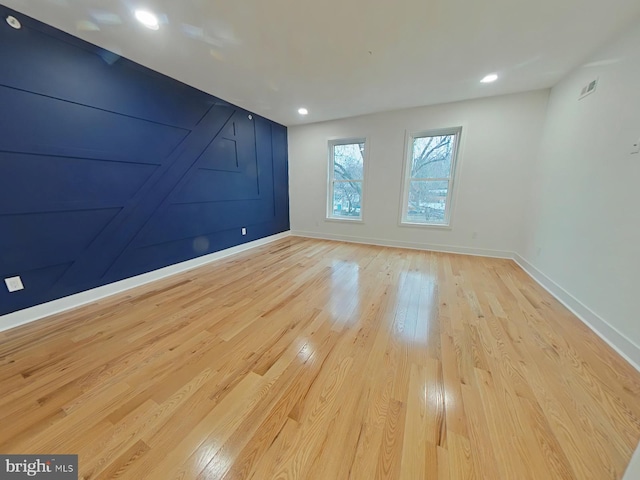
(109, 170)
(38, 124)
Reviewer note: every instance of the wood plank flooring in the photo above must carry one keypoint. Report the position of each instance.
(309, 359)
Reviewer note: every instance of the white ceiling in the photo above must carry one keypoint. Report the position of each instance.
(341, 58)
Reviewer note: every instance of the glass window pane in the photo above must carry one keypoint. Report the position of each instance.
(348, 161)
(432, 156)
(346, 199)
(427, 201)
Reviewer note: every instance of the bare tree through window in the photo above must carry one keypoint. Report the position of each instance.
(346, 179)
(429, 178)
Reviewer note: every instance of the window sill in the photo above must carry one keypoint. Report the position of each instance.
(436, 226)
(343, 220)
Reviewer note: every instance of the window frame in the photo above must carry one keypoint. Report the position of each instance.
(451, 179)
(331, 180)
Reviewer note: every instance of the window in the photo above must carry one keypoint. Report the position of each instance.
(428, 179)
(346, 179)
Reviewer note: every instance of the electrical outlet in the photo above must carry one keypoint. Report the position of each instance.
(244, 231)
(14, 284)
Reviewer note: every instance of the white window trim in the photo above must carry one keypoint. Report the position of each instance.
(452, 179)
(330, 179)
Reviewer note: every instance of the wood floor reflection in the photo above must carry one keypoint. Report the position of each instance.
(309, 359)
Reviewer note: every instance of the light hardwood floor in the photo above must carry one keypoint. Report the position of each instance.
(309, 359)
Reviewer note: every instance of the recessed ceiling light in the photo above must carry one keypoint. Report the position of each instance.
(148, 19)
(14, 22)
(492, 77)
(303, 111)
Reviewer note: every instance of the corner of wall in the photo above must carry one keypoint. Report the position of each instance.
(575, 242)
(612, 336)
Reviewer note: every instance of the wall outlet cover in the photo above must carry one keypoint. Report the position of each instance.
(14, 284)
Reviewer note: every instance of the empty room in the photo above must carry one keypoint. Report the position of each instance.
(319, 240)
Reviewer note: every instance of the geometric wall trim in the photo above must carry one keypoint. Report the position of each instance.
(109, 170)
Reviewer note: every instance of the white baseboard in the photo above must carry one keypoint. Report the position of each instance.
(31, 314)
(478, 252)
(616, 340)
(633, 469)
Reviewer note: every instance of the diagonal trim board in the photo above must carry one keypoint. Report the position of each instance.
(117, 189)
(31, 314)
(614, 338)
(101, 255)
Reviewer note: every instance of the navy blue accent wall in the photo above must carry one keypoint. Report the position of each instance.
(109, 170)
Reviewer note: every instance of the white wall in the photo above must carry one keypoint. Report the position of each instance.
(541, 174)
(500, 141)
(633, 469)
(583, 226)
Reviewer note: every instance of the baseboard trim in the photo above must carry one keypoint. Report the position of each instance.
(633, 469)
(611, 335)
(382, 242)
(614, 338)
(31, 314)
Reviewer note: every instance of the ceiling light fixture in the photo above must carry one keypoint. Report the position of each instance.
(148, 19)
(303, 111)
(492, 77)
(14, 22)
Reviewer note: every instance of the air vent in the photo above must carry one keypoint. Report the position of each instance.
(588, 89)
